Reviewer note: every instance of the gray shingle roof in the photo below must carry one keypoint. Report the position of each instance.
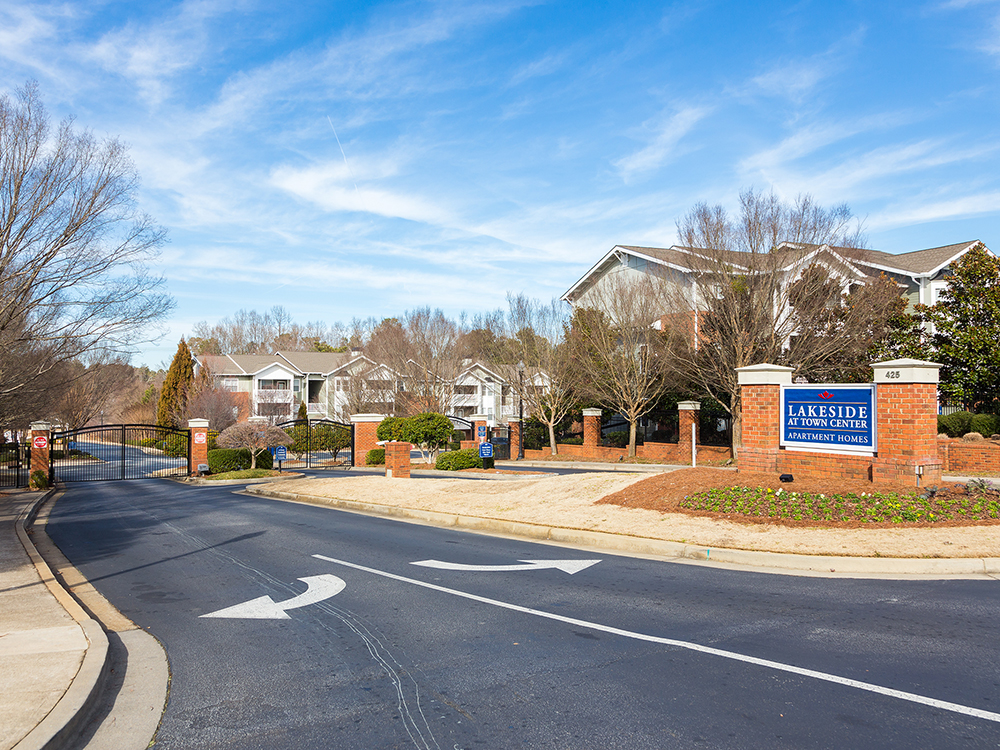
(321, 362)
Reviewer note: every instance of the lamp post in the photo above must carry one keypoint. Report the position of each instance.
(520, 410)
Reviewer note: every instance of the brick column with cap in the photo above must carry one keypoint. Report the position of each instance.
(480, 420)
(365, 437)
(514, 435)
(760, 398)
(688, 413)
(41, 443)
(199, 445)
(397, 459)
(906, 398)
(592, 427)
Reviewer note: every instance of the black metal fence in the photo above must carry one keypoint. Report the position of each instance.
(500, 437)
(318, 444)
(121, 451)
(15, 464)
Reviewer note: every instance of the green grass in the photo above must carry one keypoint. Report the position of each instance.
(868, 507)
(245, 474)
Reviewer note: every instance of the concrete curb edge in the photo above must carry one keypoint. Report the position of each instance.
(71, 711)
(773, 561)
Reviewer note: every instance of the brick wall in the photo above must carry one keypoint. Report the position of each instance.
(365, 440)
(397, 460)
(959, 456)
(761, 428)
(667, 453)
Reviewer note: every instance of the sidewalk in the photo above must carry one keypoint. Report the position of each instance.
(52, 654)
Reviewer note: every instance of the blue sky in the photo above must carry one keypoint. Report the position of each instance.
(490, 147)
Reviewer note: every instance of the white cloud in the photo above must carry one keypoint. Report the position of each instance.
(942, 210)
(668, 132)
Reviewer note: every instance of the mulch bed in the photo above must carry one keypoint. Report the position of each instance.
(665, 492)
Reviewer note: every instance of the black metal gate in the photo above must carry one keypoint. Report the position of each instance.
(500, 437)
(15, 464)
(319, 444)
(119, 451)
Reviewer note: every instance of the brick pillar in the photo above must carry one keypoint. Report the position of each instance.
(688, 411)
(906, 402)
(760, 396)
(365, 439)
(514, 434)
(479, 420)
(41, 443)
(199, 445)
(397, 459)
(592, 427)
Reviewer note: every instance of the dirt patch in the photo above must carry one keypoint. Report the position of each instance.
(572, 502)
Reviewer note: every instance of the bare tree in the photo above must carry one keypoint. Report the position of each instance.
(529, 352)
(207, 400)
(73, 247)
(255, 435)
(757, 294)
(621, 357)
(89, 389)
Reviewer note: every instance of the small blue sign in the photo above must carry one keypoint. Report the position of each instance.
(829, 417)
(280, 453)
(486, 450)
(481, 431)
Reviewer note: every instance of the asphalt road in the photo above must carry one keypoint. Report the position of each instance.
(625, 653)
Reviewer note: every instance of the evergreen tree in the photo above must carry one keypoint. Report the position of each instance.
(177, 384)
(967, 331)
(303, 415)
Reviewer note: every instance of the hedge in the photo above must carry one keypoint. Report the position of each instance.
(617, 439)
(458, 460)
(232, 459)
(985, 424)
(963, 422)
(375, 457)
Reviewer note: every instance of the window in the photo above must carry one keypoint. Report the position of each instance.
(465, 390)
(272, 385)
(230, 384)
(297, 385)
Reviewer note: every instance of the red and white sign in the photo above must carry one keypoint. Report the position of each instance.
(200, 438)
(40, 442)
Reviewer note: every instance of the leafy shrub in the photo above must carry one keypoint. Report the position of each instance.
(985, 424)
(456, 446)
(55, 455)
(393, 428)
(956, 424)
(458, 460)
(39, 480)
(174, 445)
(571, 441)
(236, 459)
(617, 439)
(536, 435)
(375, 457)
(457, 436)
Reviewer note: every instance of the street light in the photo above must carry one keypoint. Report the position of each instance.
(520, 411)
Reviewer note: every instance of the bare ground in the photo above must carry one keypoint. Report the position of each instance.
(645, 506)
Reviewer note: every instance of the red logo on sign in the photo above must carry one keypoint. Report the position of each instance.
(40, 442)
(826, 395)
(199, 437)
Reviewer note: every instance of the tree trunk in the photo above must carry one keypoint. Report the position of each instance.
(253, 459)
(737, 415)
(631, 438)
(552, 438)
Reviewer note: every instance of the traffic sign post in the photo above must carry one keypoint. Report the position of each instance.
(486, 454)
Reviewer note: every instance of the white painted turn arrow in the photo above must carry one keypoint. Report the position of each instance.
(265, 608)
(568, 566)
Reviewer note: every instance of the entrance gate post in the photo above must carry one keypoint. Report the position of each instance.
(198, 447)
(41, 443)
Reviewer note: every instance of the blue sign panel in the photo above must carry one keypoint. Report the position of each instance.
(280, 453)
(486, 450)
(829, 417)
(481, 431)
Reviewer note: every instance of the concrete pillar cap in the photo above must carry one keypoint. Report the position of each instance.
(765, 374)
(198, 423)
(479, 417)
(689, 405)
(355, 418)
(515, 420)
(592, 412)
(906, 371)
(41, 426)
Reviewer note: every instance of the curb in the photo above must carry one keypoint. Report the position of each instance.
(199, 482)
(774, 562)
(71, 711)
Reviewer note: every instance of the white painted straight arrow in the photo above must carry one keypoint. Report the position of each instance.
(265, 608)
(568, 566)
